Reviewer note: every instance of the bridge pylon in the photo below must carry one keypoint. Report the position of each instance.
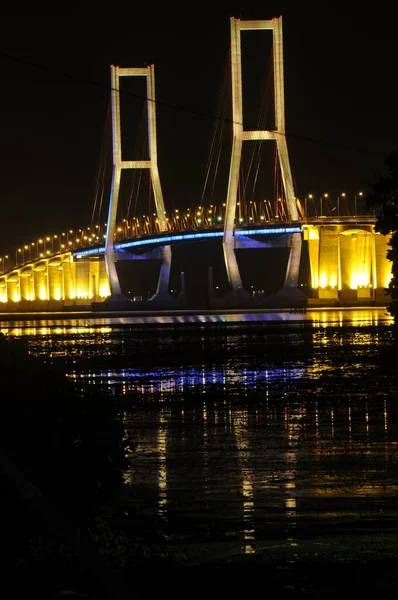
(119, 164)
(240, 135)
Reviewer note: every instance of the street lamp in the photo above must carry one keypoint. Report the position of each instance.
(310, 196)
(342, 195)
(360, 194)
(18, 251)
(49, 239)
(2, 262)
(321, 202)
(37, 248)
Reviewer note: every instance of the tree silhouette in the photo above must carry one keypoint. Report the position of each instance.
(383, 198)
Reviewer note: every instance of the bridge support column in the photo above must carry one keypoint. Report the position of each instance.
(162, 296)
(181, 300)
(118, 165)
(240, 135)
(293, 265)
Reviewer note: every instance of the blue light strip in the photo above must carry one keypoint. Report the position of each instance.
(188, 236)
(268, 231)
(89, 252)
(170, 238)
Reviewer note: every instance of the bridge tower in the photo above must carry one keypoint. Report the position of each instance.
(240, 135)
(119, 164)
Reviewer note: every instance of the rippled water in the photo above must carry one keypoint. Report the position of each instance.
(251, 436)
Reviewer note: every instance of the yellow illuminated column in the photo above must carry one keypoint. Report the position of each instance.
(82, 280)
(26, 286)
(357, 262)
(328, 275)
(311, 235)
(55, 281)
(3, 289)
(13, 287)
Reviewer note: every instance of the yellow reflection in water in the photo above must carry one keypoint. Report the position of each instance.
(248, 507)
(240, 429)
(348, 316)
(162, 472)
(51, 330)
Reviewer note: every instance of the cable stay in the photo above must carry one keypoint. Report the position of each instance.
(98, 215)
(220, 128)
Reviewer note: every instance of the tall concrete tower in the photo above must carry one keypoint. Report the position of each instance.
(240, 135)
(119, 164)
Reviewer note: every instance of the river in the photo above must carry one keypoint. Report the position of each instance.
(256, 435)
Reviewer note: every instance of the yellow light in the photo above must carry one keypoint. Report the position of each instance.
(388, 279)
(104, 290)
(323, 280)
(81, 293)
(359, 280)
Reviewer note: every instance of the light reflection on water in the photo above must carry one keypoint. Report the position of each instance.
(250, 436)
(61, 325)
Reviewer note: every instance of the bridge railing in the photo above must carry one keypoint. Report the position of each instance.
(72, 240)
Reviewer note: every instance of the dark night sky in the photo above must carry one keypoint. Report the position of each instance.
(340, 95)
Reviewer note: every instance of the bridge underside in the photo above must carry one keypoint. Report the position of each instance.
(337, 265)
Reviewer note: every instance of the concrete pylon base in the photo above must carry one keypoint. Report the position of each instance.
(162, 301)
(114, 302)
(239, 298)
(289, 297)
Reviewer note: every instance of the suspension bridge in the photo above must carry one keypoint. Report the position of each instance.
(239, 253)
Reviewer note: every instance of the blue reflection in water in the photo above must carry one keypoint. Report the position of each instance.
(164, 380)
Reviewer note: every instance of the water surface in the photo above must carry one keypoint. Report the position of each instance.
(255, 436)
